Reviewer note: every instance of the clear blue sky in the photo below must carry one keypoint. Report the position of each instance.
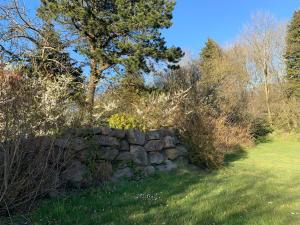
(196, 20)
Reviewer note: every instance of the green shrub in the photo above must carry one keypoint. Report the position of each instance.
(260, 128)
(125, 121)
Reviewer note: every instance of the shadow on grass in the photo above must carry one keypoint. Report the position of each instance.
(235, 156)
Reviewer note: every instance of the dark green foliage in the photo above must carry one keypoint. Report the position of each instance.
(50, 57)
(293, 55)
(210, 57)
(260, 128)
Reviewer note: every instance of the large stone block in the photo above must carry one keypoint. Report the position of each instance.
(149, 170)
(74, 173)
(168, 166)
(182, 150)
(125, 157)
(156, 158)
(169, 142)
(153, 135)
(118, 133)
(124, 146)
(172, 153)
(108, 153)
(108, 141)
(78, 144)
(122, 173)
(139, 155)
(135, 137)
(154, 145)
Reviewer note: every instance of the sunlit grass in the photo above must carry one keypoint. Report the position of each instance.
(259, 186)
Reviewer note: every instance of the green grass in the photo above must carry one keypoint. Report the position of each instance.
(259, 186)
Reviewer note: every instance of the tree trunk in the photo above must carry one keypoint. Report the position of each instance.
(267, 94)
(91, 89)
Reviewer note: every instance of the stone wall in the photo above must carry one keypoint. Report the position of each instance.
(109, 154)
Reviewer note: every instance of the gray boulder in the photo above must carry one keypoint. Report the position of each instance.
(125, 157)
(108, 153)
(108, 141)
(135, 137)
(124, 146)
(74, 173)
(153, 135)
(172, 153)
(118, 133)
(156, 158)
(62, 143)
(169, 142)
(139, 155)
(149, 170)
(182, 150)
(168, 166)
(78, 144)
(105, 130)
(122, 173)
(154, 145)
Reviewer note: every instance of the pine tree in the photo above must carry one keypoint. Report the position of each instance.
(115, 33)
(50, 58)
(293, 55)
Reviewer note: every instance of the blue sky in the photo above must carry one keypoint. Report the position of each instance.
(196, 20)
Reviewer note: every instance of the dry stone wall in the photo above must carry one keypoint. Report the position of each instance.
(110, 154)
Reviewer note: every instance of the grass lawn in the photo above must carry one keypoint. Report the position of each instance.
(259, 186)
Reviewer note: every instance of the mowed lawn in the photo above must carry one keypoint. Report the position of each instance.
(259, 186)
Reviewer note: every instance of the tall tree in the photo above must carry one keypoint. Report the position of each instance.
(115, 34)
(264, 42)
(210, 58)
(292, 55)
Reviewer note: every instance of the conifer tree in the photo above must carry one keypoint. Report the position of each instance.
(210, 58)
(115, 33)
(293, 55)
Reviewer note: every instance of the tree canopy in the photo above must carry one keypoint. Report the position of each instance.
(115, 33)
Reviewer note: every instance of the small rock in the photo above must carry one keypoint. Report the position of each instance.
(135, 137)
(108, 153)
(122, 173)
(172, 153)
(169, 142)
(124, 146)
(118, 133)
(149, 170)
(153, 135)
(139, 155)
(156, 158)
(154, 145)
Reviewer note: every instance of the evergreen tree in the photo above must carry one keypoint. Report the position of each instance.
(115, 32)
(293, 55)
(210, 58)
(50, 58)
